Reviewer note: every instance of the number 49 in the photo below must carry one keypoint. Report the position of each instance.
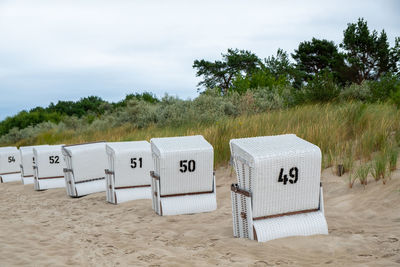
(293, 173)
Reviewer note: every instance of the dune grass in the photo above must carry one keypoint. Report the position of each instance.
(393, 154)
(362, 173)
(345, 132)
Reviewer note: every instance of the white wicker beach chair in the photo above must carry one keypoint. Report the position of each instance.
(278, 191)
(183, 180)
(128, 174)
(84, 173)
(48, 167)
(10, 160)
(27, 162)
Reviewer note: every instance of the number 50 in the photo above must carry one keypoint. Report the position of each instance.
(187, 166)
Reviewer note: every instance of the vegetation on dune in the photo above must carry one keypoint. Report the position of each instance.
(343, 131)
(344, 98)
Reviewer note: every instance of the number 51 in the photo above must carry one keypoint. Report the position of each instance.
(134, 163)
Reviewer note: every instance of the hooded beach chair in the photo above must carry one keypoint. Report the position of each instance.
(183, 178)
(48, 167)
(10, 160)
(85, 165)
(128, 174)
(27, 162)
(278, 191)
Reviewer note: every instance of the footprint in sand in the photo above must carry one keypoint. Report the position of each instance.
(262, 263)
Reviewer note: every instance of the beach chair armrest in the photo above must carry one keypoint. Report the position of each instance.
(154, 175)
(107, 171)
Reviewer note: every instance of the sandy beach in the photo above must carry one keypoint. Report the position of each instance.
(48, 228)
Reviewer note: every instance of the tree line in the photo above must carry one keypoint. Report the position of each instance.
(363, 67)
(362, 55)
(92, 107)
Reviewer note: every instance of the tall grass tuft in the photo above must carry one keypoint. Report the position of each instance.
(379, 167)
(351, 179)
(393, 154)
(362, 173)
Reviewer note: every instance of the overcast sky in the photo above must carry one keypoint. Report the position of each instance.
(65, 50)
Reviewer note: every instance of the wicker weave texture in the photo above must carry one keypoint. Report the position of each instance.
(49, 161)
(124, 195)
(27, 180)
(260, 161)
(90, 187)
(88, 161)
(242, 225)
(131, 163)
(188, 204)
(10, 177)
(185, 164)
(295, 225)
(10, 160)
(27, 160)
(50, 183)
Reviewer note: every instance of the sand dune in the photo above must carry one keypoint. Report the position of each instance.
(50, 229)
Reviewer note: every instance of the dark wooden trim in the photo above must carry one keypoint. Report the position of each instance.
(154, 175)
(188, 194)
(134, 186)
(340, 169)
(235, 188)
(53, 177)
(285, 214)
(91, 180)
(27, 176)
(5, 173)
(107, 171)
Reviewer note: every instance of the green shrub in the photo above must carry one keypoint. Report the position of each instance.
(361, 92)
(395, 97)
(387, 86)
(321, 88)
